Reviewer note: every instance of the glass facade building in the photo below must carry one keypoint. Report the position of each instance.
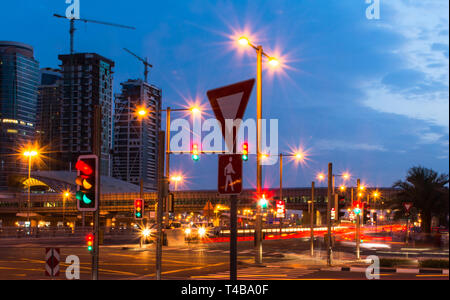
(19, 80)
(87, 80)
(135, 153)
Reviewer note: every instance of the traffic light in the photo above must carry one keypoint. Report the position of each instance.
(357, 209)
(245, 152)
(138, 209)
(195, 152)
(87, 183)
(90, 242)
(263, 203)
(341, 207)
(366, 217)
(333, 214)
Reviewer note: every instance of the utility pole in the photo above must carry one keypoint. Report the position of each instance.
(329, 241)
(312, 217)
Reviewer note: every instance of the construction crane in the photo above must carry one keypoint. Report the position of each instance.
(72, 27)
(144, 61)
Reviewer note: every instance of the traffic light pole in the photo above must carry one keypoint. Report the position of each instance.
(329, 241)
(97, 146)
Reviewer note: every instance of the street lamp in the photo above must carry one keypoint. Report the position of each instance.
(244, 41)
(29, 154)
(176, 180)
(143, 112)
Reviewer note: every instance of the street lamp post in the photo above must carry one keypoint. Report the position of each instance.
(274, 62)
(29, 155)
(66, 195)
(313, 185)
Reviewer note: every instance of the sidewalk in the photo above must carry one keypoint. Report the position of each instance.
(343, 262)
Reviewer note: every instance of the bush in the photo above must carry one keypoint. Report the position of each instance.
(434, 263)
(394, 262)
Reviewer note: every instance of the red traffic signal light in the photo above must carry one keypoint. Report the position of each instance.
(84, 167)
(87, 183)
(245, 152)
(138, 209)
(90, 242)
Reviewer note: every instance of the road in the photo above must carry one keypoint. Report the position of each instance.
(196, 261)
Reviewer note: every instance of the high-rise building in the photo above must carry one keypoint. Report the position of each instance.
(136, 141)
(87, 81)
(48, 117)
(19, 79)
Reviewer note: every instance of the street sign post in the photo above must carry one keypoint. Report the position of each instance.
(229, 103)
(52, 258)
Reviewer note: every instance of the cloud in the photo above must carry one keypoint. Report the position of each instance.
(419, 90)
(330, 145)
(431, 107)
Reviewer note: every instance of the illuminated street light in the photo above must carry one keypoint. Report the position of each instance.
(321, 177)
(274, 62)
(195, 110)
(299, 156)
(244, 41)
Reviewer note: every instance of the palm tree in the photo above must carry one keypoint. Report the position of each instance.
(428, 191)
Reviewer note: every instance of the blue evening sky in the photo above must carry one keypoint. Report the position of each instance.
(371, 96)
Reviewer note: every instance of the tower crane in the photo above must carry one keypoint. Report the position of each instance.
(72, 27)
(144, 61)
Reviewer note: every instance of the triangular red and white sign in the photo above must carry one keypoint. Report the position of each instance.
(408, 206)
(229, 103)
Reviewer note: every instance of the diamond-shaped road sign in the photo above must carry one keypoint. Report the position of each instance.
(229, 103)
(230, 174)
(52, 258)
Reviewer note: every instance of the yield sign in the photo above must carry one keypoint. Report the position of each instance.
(229, 103)
(408, 206)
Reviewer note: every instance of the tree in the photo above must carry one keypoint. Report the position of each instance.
(428, 191)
